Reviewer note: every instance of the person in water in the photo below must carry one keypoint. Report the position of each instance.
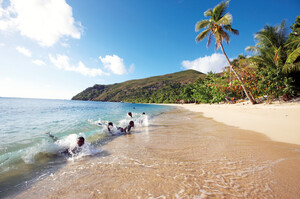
(130, 114)
(128, 128)
(110, 127)
(77, 149)
(142, 118)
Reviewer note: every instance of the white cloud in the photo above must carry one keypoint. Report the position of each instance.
(45, 21)
(131, 68)
(38, 62)
(24, 51)
(114, 63)
(2, 44)
(62, 63)
(215, 63)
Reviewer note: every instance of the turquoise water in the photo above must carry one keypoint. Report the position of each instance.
(25, 148)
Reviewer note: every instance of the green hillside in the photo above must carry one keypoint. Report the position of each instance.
(158, 89)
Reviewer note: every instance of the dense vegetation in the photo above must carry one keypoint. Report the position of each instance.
(273, 70)
(159, 89)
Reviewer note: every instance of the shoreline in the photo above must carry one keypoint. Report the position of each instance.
(180, 154)
(280, 122)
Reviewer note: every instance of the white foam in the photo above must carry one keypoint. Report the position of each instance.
(139, 120)
(67, 143)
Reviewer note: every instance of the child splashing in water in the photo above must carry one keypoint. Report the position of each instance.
(75, 150)
(119, 130)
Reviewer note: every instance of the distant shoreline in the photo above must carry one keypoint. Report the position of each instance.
(280, 122)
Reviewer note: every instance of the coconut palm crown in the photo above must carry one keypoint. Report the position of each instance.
(216, 26)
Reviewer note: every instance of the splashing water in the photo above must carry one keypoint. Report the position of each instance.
(25, 146)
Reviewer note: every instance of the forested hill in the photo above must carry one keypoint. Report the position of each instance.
(158, 89)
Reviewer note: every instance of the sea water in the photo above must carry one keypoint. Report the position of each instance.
(28, 152)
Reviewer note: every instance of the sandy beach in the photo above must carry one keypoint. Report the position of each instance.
(181, 154)
(280, 122)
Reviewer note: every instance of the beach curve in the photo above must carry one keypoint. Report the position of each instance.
(280, 122)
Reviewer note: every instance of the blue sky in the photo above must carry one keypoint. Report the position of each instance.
(56, 48)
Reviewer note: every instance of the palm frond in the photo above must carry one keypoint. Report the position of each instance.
(202, 35)
(209, 40)
(289, 65)
(282, 33)
(272, 36)
(225, 20)
(201, 24)
(230, 29)
(219, 10)
(208, 13)
(224, 35)
(252, 49)
(265, 40)
(261, 61)
(296, 42)
(256, 59)
(288, 68)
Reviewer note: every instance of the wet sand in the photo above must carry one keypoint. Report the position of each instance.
(180, 155)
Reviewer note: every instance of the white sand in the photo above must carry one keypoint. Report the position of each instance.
(280, 122)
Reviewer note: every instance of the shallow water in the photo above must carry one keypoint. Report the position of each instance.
(180, 155)
(28, 154)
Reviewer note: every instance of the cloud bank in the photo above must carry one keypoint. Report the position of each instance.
(44, 21)
(115, 64)
(62, 63)
(215, 63)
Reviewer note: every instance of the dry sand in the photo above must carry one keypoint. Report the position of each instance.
(280, 122)
(180, 155)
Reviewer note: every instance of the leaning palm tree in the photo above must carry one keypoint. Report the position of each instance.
(216, 27)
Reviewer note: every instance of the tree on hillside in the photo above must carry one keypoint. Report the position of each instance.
(217, 26)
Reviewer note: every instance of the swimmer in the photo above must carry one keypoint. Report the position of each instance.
(130, 114)
(77, 149)
(110, 129)
(128, 128)
(142, 118)
(80, 143)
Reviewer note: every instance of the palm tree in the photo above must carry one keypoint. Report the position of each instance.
(276, 55)
(217, 26)
(270, 46)
(292, 63)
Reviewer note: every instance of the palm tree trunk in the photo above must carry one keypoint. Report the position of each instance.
(252, 100)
